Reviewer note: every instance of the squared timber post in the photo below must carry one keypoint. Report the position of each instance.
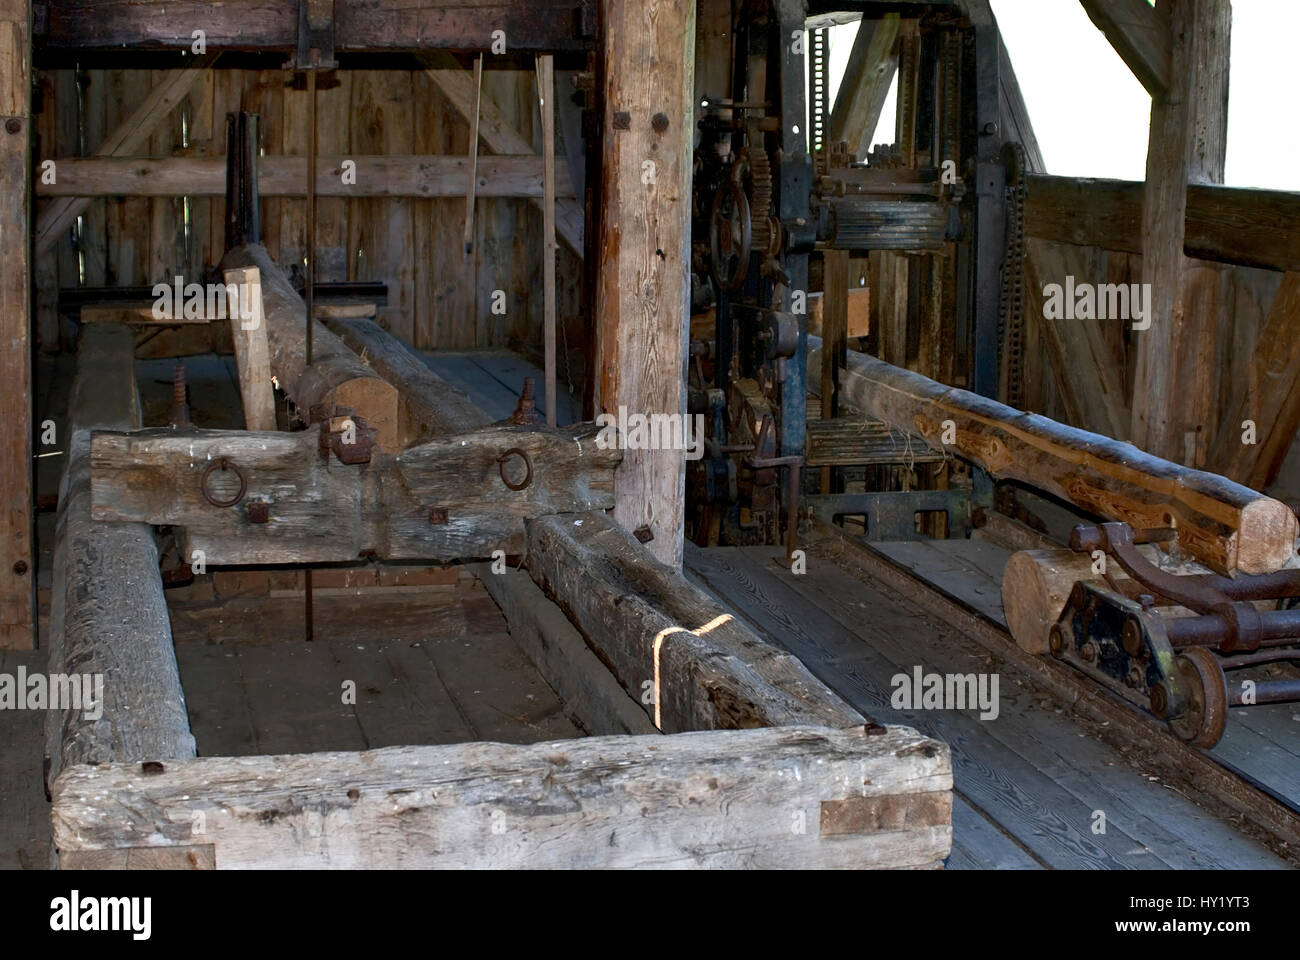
(1174, 388)
(17, 575)
(643, 290)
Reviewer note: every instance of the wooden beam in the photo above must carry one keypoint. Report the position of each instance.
(108, 616)
(127, 139)
(1270, 397)
(687, 659)
(394, 176)
(1140, 36)
(1223, 524)
(1174, 383)
(796, 797)
(872, 64)
(643, 288)
(17, 561)
(252, 354)
(444, 500)
(1253, 228)
(359, 25)
(335, 376)
(430, 406)
(500, 137)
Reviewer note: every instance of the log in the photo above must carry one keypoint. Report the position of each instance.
(429, 405)
(1224, 525)
(320, 510)
(789, 798)
(680, 654)
(1037, 583)
(336, 377)
(108, 615)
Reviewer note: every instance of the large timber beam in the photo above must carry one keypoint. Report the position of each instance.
(1174, 378)
(108, 616)
(1253, 228)
(360, 26)
(644, 280)
(335, 376)
(393, 176)
(448, 499)
(676, 650)
(1139, 35)
(17, 563)
(865, 86)
(1223, 524)
(795, 797)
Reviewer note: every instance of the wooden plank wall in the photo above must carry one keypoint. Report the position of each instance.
(438, 297)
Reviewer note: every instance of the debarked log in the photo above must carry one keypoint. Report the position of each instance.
(449, 499)
(1222, 524)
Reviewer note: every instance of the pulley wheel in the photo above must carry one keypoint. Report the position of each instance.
(1202, 677)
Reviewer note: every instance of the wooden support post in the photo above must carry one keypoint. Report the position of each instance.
(335, 375)
(108, 616)
(644, 282)
(720, 799)
(546, 98)
(1174, 386)
(661, 634)
(1223, 524)
(17, 564)
(252, 355)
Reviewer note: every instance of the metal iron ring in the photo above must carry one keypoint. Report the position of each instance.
(528, 464)
(225, 464)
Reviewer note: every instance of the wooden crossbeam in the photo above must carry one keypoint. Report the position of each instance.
(1140, 37)
(130, 135)
(500, 137)
(1253, 228)
(708, 799)
(377, 176)
(871, 68)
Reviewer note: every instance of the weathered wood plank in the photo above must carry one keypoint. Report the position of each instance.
(793, 797)
(252, 354)
(108, 614)
(125, 140)
(865, 85)
(689, 662)
(1221, 523)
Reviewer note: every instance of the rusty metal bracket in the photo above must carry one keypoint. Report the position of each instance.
(334, 430)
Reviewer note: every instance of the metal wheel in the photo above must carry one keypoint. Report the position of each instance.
(730, 237)
(1199, 671)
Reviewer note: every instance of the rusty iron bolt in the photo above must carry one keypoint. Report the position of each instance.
(259, 511)
(438, 516)
(644, 534)
(659, 122)
(14, 125)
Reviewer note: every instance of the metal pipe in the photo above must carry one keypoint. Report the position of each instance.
(1264, 691)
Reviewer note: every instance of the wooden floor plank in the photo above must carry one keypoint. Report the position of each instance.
(979, 844)
(982, 759)
(497, 401)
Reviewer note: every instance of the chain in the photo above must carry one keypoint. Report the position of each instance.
(1011, 325)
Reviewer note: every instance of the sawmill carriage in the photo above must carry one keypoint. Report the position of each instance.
(374, 332)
